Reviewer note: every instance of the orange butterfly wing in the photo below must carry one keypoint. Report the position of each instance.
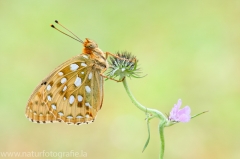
(72, 93)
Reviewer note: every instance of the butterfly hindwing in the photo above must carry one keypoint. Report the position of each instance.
(72, 93)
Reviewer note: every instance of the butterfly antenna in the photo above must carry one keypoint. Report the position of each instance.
(79, 40)
(56, 21)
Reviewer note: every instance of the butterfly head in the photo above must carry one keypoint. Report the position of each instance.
(90, 44)
(90, 47)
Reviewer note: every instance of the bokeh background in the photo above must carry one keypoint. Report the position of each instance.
(188, 49)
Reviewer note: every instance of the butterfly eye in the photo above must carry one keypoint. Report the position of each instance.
(90, 46)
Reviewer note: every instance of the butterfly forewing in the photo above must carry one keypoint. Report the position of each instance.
(72, 93)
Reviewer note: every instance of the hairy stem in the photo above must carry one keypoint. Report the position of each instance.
(161, 133)
(153, 112)
(140, 106)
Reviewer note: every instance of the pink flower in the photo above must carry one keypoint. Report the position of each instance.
(180, 115)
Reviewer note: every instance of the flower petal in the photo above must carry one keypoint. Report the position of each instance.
(184, 118)
(185, 110)
(180, 115)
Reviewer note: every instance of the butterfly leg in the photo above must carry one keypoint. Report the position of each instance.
(110, 77)
(108, 53)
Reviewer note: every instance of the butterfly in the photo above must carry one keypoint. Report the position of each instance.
(73, 92)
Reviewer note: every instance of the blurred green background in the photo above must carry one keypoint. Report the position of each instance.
(188, 49)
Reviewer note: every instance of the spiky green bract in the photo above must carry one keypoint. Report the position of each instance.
(124, 66)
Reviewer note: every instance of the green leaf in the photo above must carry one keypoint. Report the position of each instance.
(146, 144)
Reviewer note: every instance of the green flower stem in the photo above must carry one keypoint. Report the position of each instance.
(161, 133)
(140, 106)
(153, 112)
(135, 102)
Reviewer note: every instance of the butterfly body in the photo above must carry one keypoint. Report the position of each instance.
(73, 92)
